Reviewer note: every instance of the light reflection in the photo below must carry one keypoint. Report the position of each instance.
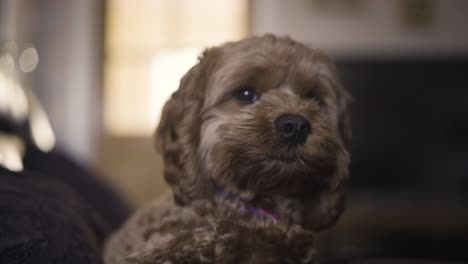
(28, 60)
(11, 152)
(18, 105)
(40, 128)
(13, 100)
(8, 62)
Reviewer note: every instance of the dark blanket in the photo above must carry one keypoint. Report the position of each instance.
(55, 212)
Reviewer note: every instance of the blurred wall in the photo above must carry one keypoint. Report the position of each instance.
(68, 36)
(368, 27)
(68, 78)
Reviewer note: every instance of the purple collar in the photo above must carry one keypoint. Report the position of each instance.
(257, 212)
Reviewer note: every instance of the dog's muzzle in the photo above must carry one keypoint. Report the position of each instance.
(294, 129)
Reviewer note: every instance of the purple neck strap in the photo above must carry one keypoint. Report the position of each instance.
(257, 212)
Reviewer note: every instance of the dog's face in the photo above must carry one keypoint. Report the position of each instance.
(263, 117)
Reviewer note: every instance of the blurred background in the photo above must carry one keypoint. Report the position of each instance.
(104, 68)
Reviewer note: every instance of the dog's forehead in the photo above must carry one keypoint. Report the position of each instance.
(243, 66)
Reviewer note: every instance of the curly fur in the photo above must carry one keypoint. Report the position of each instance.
(206, 136)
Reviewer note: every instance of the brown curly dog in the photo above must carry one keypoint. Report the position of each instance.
(255, 144)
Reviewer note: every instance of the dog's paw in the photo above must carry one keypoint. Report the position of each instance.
(188, 246)
(183, 255)
(300, 243)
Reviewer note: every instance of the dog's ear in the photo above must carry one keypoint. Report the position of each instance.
(178, 134)
(323, 209)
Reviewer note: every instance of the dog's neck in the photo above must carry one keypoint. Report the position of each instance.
(259, 213)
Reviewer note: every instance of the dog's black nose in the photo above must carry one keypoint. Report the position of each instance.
(293, 128)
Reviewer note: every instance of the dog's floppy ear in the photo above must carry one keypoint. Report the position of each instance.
(324, 209)
(178, 134)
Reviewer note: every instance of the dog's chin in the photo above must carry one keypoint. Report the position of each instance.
(277, 174)
(287, 157)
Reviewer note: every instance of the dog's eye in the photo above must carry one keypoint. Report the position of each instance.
(247, 95)
(313, 94)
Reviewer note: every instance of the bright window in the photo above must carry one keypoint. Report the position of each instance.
(150, 44)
